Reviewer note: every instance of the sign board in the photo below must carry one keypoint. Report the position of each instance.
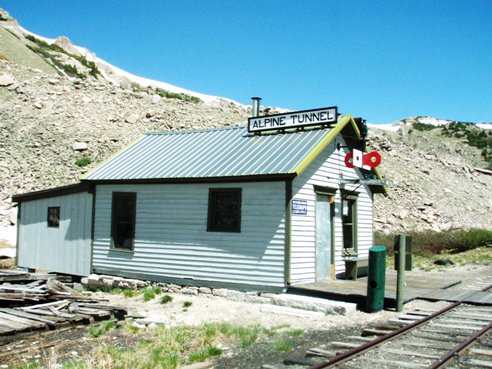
(294, 119)
(299, 207)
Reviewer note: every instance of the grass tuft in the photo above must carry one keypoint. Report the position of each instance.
(295, 332)
(165, 299)
(174, 347)
(101, 329)
(282, 345)
(83, 161)
(179, 96)
(129, 293)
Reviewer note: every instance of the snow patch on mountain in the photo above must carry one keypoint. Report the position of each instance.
(118, 76)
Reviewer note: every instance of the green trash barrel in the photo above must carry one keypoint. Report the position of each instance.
(376, 279)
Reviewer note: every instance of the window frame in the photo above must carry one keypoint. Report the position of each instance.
(212, 221)
(351, 201)
(118, 196)
(53, 223)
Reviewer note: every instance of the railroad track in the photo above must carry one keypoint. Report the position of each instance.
(425, 340)
(457, 336)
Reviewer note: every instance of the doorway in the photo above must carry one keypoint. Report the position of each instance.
(325, 211)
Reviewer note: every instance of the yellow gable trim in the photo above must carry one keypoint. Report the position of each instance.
(308, 159)
(333, 133)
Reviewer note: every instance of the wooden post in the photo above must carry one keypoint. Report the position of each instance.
(400, 274)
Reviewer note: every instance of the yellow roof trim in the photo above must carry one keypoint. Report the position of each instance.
(335, 131)
(84, 176)
(308, 159)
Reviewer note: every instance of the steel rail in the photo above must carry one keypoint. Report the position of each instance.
(359, 350)
(356, 351)
(439, 363)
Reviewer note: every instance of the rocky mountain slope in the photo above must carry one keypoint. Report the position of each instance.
(438, 182)
(58, 122)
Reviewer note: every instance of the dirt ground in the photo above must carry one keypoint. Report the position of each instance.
(196, 310)
(216, 309)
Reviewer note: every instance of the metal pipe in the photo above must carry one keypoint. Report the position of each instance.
(256, 107)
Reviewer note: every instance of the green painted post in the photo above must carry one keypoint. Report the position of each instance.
(376, 279)
(400, 274)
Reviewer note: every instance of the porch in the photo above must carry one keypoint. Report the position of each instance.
(431, 286)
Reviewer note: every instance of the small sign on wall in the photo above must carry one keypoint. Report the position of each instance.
(299, 207)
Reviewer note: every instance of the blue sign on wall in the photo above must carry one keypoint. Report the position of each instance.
(299, 207)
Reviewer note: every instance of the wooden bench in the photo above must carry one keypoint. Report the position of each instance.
(355, 267)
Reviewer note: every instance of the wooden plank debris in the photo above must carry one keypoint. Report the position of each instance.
(21, 276)
(29, 303)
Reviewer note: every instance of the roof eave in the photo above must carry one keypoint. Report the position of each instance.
(53, 192)
(182, 180)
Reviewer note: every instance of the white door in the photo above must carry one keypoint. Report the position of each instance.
(324, 237)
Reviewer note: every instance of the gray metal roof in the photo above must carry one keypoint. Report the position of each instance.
(227, 152)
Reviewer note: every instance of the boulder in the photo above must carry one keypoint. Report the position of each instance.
(6, 80)
(131, 118)
(80, 146)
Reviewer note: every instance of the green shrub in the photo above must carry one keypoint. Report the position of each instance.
(179, 96)
(165, 299)
(423, 126)
(39, 42)
(187, 304)
(474, 135)
(72, 71)
(43, 49)
(430, 243)
(83, 161)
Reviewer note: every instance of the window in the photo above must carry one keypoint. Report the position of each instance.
(123, 215)
(224, 210)
(349, 221)
(54, 216)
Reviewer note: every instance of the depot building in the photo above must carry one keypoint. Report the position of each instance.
(260, 207)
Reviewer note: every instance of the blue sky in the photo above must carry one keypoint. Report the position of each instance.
(382, 60)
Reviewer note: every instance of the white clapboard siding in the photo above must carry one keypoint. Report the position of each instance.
(66, 249)
(171, 238)
(325, 171)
